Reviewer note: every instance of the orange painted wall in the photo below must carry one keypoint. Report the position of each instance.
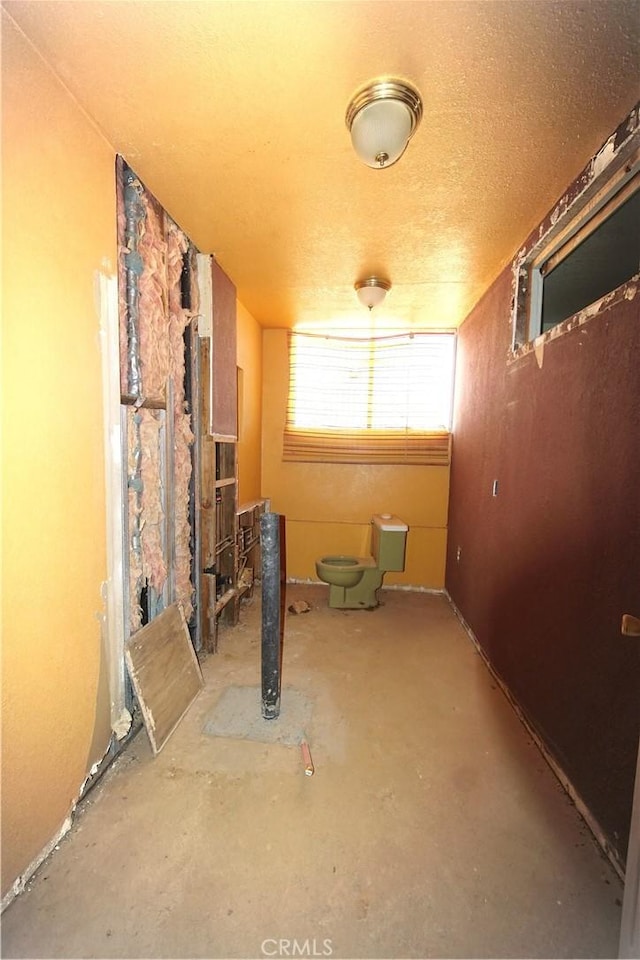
(58, 191)
(249, 348)
(328, 507)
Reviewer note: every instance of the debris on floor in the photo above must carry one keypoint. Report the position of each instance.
(300, 606)
(309, 768)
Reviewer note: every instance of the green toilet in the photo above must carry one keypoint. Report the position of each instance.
(354, 581)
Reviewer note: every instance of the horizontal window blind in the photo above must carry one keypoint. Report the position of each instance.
(383, 400)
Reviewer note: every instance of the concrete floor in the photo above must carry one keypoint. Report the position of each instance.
(432, 826)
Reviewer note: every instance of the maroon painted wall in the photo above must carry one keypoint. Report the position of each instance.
(548, 567)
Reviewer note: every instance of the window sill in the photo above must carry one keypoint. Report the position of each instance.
(626, 291)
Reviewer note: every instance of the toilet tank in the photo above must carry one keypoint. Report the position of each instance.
(388, 541)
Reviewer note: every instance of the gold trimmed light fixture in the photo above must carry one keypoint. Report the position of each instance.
(382, 117)
(372, 291)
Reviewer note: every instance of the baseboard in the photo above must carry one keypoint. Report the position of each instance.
(565, 782)
(409, 588)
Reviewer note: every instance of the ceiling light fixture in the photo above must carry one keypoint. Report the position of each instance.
(382, 118)
(372, 291)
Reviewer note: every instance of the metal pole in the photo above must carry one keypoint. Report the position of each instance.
(270, 548)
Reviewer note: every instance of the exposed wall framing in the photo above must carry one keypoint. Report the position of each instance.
(158, 297)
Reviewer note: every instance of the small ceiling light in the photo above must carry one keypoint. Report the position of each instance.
(372, 291)
(382, 118)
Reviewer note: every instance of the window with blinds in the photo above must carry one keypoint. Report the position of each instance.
(382, 400)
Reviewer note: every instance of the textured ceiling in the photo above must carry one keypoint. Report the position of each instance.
(233, 115)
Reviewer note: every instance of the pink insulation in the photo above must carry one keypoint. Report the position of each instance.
(136, 571)
(177, 246)
(153, 323)
(183, 559)
(153, 518)
(161, 323)
(122, 299)
(146, 514)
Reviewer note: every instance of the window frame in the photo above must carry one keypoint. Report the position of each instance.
(611, 178)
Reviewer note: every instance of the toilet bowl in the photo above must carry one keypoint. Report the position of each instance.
(341, 570)
(354, 581)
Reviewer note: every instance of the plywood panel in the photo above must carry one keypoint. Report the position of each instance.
(165, 673)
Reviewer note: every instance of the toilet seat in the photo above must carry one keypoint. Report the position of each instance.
(343, 570)
(347, 561)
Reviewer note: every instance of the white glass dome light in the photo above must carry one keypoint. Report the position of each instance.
(382, 118)
(380, 132)
(372, 291)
